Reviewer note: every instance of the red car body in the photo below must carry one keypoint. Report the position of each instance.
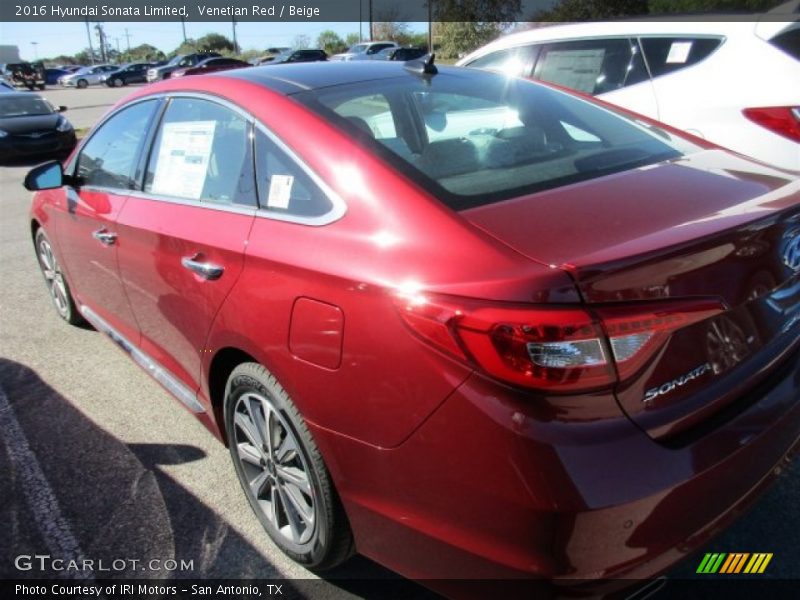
(448, 464)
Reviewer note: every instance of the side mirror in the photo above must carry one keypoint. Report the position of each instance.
(62, 109)
(47, 176)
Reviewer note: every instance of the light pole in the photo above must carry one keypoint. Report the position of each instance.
(35, 51)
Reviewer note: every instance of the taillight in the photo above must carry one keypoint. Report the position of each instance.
(558, 349)
(783, 120)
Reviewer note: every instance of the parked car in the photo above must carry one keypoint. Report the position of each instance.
(126, 74)
(211, 65)
(5, 86)
(363, 51)
(181, 61)
(51, 75)
(402, 54)
(32, 127)
(83, 78)
(458, 322)
(297, 56)
(24, 74)
(688, 74)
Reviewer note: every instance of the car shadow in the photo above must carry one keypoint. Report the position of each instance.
(71, 490)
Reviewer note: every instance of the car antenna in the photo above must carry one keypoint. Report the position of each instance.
(422, 67)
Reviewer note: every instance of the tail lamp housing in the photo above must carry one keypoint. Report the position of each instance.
(557, 349)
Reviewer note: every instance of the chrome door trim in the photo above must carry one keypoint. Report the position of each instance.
(150, 365)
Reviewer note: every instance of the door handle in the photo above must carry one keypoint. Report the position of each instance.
(206, 270)
(105, 237)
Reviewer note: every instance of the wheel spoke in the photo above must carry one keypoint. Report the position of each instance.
(249, 454)
(304, 510)
(287, 451)
(290, 512)
(253, 405)
(258, 482)
(245, 424)
(294, 477)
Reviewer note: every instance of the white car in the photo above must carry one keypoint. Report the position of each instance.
(363, 51)
(736, 84)
(87, 76)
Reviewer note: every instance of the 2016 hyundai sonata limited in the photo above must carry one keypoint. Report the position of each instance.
(463, 324)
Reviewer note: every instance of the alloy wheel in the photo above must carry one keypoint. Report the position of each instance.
(54, 277)
(276, 472)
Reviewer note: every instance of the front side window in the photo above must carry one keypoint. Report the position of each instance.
(592, 66)
(202, 152)
(482, 139)
(669, 54)
(284, 187)
(109, 158)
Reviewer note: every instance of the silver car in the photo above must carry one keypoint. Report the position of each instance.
(86, 76)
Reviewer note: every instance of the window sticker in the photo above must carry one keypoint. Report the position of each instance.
(575, 69)
(679, 52)
(183, 159)
(280, 191)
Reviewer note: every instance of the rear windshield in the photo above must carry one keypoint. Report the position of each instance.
(481, 137)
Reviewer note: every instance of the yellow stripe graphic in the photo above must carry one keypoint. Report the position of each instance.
(752, 562)
(765, 563)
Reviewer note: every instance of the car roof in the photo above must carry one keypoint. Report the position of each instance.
(617, 28)
(292, 78)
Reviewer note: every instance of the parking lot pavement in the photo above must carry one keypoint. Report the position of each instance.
(97, 461)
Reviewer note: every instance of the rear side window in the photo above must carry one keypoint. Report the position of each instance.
(789, 42)
(284, 187)
(109, 157)
(592, 66)
(511, 61)
(202, 151)
(669, 54)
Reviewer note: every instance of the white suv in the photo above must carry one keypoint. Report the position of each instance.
(364, 51)
(736, 84)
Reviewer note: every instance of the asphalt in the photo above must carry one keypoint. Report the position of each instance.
(98, 461)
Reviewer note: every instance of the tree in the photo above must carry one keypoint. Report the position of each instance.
(694, 6)
(143, 53)
(351, 38)
(301, 41)
(464, 25)
(453, 39)
(390, 30)
(187, 47)
(587, 10)
(330, 41)
(214, 42)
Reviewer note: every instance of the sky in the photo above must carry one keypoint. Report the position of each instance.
(69, 38)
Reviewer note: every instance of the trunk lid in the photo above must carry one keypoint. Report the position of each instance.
(707, 227)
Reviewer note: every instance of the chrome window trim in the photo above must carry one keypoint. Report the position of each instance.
(338, 206)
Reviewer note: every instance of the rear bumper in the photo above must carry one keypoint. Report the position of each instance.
(497, 485)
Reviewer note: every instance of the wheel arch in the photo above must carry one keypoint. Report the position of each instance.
(223, 363)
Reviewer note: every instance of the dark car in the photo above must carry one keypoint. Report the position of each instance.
(182, 61)
(211, 65)
(25, 74)
(297, 56)
(51, 75)
(131, 73)
(30, 127)
(401, 54)
(465, 324)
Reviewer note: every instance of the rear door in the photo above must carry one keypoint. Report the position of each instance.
(86, 224)
(185, 233)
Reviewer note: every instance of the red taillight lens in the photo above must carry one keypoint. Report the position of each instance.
(783, 120)
(562, 349)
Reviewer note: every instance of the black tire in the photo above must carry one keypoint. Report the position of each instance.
(253, 393)
(82, 83)
(56, 282)
(118, 82)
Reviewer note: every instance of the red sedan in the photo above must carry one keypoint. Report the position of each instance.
(211, 65)
(466, 325)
